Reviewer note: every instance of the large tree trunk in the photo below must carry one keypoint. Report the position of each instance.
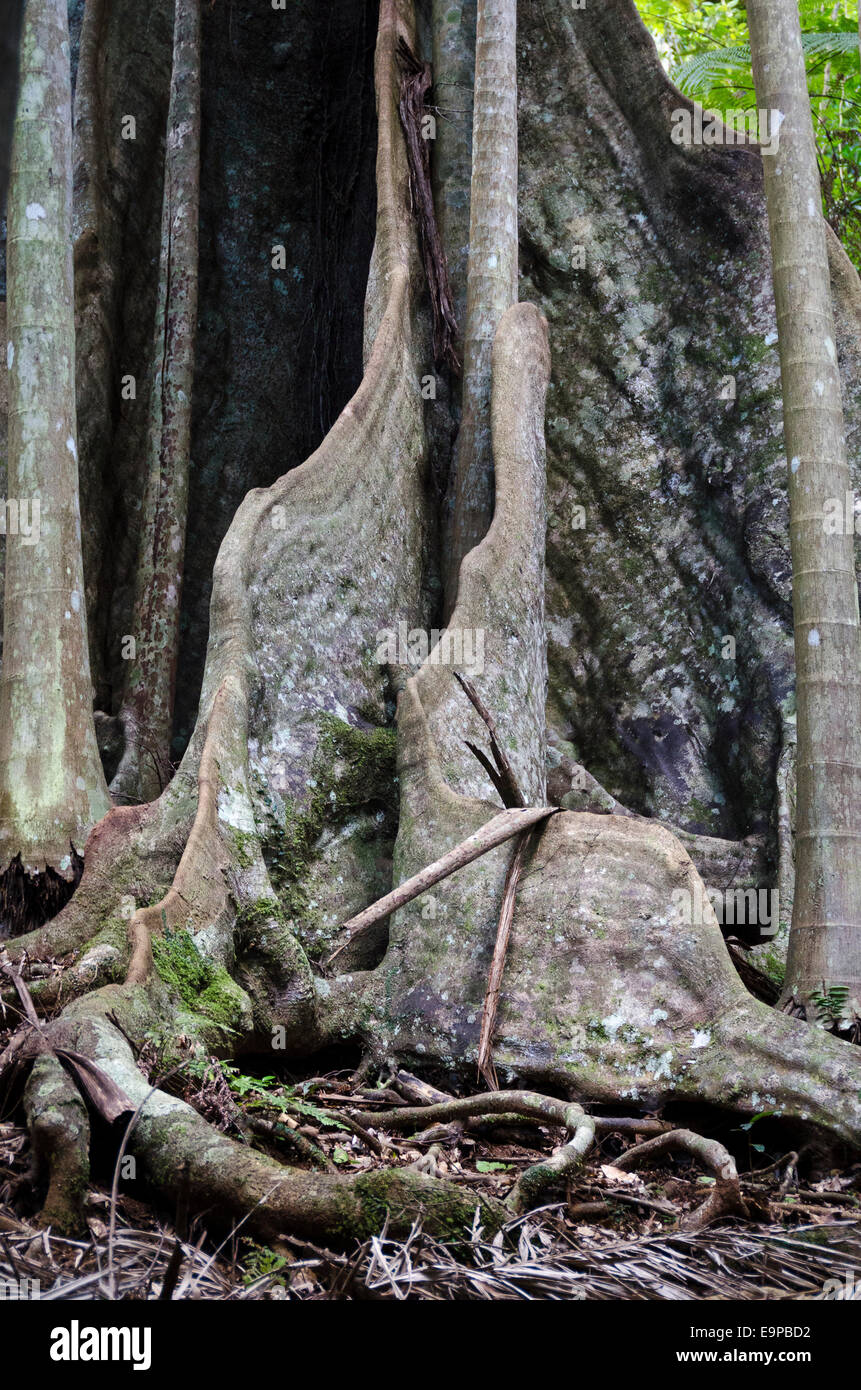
(52, 789)
(281, 820)
(825, 941)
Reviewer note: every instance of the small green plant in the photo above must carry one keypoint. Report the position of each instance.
(832, 1007)
(746, 1128)
(243, 1086)
(263, 1263)
(267, 1092)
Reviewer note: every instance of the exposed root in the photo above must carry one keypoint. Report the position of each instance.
(535, 1181)
(725, 1198)
(183, 1157)
(60, 1134)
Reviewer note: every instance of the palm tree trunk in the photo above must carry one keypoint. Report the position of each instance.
(52, 790)
(825, 938)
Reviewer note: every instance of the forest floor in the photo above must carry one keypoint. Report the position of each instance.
(609, 1234)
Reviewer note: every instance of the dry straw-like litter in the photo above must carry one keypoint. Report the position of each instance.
(537, 1260)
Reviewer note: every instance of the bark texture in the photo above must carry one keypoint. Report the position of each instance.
(11, 15)
(209, 911)
(147, 712)
(454, 81)
(491, 276)
(52, 789)
(825, 941)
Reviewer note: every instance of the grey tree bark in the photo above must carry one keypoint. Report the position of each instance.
(147, 711)
(491, 276)
(52, 789)
(825, 937)
(244, 864)
(11, 15)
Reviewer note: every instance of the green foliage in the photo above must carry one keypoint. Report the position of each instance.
(704, 48)
(832, 1007)
(262, 1263)
(696, 76)
(267, 1093)
(762, 1115)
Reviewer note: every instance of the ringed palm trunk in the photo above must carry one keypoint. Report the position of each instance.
(52, 790)
(492, 273)
(825, 937)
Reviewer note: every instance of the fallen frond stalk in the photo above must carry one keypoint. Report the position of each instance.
(500, 951)
(503, 827)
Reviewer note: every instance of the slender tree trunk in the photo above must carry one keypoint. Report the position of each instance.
(52, 790)
(96, 292)
(492, 276)
(825, 938)
(11, 13)
(148, 706)
(454, 74)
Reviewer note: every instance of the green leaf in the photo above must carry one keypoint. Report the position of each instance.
(305, 1107)
(484, 1165)
(698, 74)
(763, 1115)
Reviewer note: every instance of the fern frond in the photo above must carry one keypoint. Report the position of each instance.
(699, 74)
(830, 45)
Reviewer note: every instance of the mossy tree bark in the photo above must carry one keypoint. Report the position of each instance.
(825, 938)
(491, 276)
(147, 712)
(52, 790)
